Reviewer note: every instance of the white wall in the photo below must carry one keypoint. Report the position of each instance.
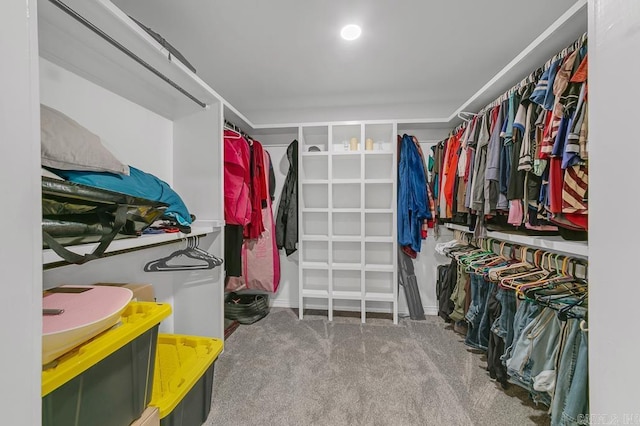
(276, 145)
(135, 135)
(614, 291)
(20, 256)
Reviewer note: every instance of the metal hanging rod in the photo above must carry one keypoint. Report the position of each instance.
(123, 49)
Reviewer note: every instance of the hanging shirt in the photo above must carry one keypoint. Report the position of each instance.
(479, 169)
(492, 173)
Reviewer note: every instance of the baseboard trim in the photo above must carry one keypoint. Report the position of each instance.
(285, 303)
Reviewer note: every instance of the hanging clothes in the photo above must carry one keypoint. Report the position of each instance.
(258, 191)
(260, 257)
(413, 205)
(237, 202)
(287, 216)
(237, 179)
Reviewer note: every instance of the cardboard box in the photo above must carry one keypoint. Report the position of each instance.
(141, 292)
(150, 417)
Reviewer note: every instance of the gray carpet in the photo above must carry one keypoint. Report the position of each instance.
(282, 371)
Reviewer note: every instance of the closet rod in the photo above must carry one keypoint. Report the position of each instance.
(60, 263)
(123, 49)
(532, 77)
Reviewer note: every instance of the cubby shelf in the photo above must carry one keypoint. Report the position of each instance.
(321, 294)
(347, 295)
(352, 212)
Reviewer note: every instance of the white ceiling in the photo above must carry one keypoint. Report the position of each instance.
(283, 61)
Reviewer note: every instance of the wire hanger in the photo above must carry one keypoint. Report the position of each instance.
(186, 256)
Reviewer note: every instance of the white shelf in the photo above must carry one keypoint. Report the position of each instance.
(71, 45)
(314, 238)
(315, 210)
(346, 266)
(315, 265)
(49, 256)
(346, 153)
(346, 295)
(315, 154)
(345, 181)
(378, 210)
(378, 181)
(347, 210)
(553, 243)
(378, 239)
(374, 152)
(378, 297)
(321, 294)
(315, 181)
(375, 267)
(347, 239)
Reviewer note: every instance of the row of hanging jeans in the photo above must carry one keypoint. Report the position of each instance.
(526, 343)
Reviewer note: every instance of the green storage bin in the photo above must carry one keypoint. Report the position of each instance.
(108, 380)
(183, 379)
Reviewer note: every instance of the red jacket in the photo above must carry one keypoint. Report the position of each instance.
(237, 179)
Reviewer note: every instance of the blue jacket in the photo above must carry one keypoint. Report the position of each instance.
(413, 205)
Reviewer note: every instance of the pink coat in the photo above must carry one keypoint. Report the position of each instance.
(237, 178)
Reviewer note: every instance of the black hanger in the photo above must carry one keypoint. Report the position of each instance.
(192, 251)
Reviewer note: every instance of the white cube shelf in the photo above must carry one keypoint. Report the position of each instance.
(346, 196)
(344, 252)
(378, 196)
(347, 281)
(315, 280)
(317, 136)
(315, 252)
(379, 224)
(348, 217)
(315, 195)
(379, 253)
(379, 166)
(342, 136)
(378, 282)
(314, 167)
(346, 166)
(346, 224)
(315, 224)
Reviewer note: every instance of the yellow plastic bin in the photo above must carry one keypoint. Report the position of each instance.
(183, 382)
(107, 380)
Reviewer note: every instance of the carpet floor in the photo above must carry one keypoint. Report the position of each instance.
(282, 371)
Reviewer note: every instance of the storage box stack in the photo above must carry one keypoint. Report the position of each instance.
(129, 373)
(183, 378)
(107, 380)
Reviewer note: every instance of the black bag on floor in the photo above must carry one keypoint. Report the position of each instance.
(246, 307)
(78, 214)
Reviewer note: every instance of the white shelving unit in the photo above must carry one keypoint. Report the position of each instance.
(347, 216)
(93, 72)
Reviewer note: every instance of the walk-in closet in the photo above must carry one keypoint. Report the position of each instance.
(353, 213)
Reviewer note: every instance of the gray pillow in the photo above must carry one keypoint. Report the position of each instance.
(66, 145)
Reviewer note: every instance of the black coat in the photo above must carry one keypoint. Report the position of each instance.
(287, 217)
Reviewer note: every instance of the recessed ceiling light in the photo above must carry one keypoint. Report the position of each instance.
(350, 32)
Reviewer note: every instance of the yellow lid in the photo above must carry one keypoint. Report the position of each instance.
(180, 362)
(137, 318)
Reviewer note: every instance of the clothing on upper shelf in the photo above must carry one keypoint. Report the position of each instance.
(523, 161)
